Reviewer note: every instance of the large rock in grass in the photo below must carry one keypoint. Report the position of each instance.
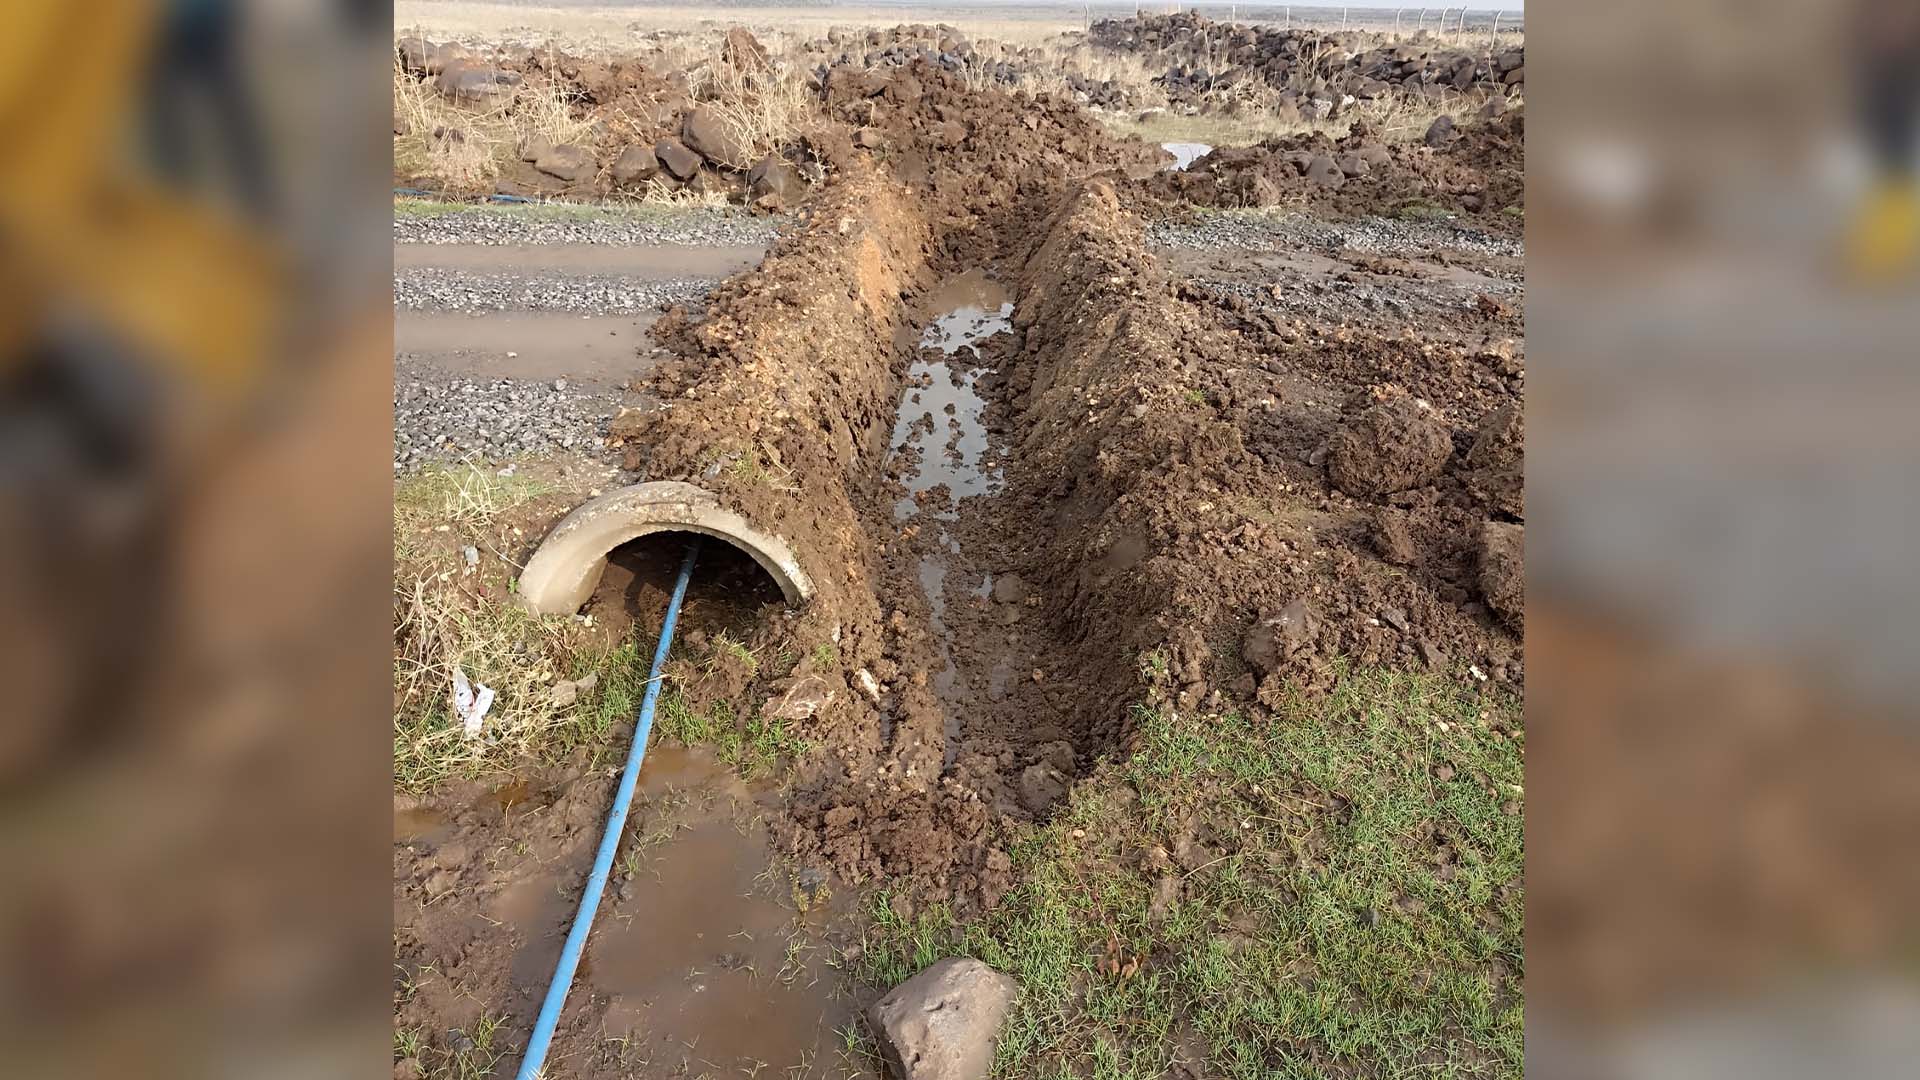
(709, 136)
(941, 1024)
(475, 84)
(1503, 572)
(679, 162)
(743, 50)
(1393, 446)
(568, 162)
(775, 179)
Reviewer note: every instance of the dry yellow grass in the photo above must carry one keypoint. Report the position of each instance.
(466, 148)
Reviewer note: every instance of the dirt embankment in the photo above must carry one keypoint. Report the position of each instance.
(1315, 70)
(1477, 171)
(1172, 521)
(1191, 513)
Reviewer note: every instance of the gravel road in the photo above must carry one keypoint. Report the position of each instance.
(453, 402)
(437, 418)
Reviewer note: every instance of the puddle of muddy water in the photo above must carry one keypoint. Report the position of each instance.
(704, 960)
(421, 823)
(1185, 154)
(941, 422)
(536, 345)
(940, 416)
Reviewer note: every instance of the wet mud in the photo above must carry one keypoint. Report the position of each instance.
(704, 957)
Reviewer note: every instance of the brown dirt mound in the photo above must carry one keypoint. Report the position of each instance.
(1177, 525)
(1480, 174)
(974, 151)
(1388, 447)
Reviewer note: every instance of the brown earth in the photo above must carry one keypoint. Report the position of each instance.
(1135, 506)
(1480, 173)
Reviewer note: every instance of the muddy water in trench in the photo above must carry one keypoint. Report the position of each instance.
(952, 468)
(705, 964)
(702, 955)
(941, 433)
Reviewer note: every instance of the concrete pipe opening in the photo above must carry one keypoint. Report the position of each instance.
(567, 567)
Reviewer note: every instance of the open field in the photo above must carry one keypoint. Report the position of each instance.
(1159, 515)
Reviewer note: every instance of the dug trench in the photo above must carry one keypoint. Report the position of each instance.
(1037, 484)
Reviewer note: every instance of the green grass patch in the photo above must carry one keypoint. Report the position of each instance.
(463, 496)
(1421, 210)
(753, 745)
(470, 1058)
(1334, 891)
(1213, 129)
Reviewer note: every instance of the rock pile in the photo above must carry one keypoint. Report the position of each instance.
(646, 129)
(1305, 66)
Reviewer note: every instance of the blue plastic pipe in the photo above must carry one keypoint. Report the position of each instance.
(609, 844)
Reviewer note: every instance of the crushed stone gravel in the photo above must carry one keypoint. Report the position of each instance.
(429, 288)
(1218, 231)
(438, 419)
(522, 225)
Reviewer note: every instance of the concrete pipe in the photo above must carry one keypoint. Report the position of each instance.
(567, 566)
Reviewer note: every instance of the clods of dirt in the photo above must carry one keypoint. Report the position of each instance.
(1496, 463)
(1478, 173)
(1391, 446)
(1503, 571)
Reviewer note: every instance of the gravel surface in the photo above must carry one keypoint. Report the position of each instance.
(538, 225)
(1217, 231)
(439, 419)
(428, 288)
(1333, 301)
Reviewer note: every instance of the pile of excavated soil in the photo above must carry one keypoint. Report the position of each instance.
(975, 156)
(1477, 171)
(1168, 491)
(1306, 66)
